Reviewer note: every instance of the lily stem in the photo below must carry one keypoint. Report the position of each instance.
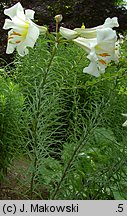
(77, 149)
(38, 101)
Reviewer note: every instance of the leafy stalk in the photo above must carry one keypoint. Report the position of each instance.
(40, 87)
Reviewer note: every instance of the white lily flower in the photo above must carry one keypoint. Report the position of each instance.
(24, 32)
(125, 123)
(92, 32)
(88, 32)
(101, 50)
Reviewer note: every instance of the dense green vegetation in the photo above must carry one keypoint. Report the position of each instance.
(66, 124)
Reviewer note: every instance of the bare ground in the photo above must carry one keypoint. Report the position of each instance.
(16, 185)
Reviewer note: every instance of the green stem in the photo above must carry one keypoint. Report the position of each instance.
(76, 151)
(32, 178)
(43, 81)
(41, 86)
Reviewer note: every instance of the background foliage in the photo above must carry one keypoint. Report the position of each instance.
(11, 106)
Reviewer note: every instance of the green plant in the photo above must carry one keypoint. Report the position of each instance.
(71, 122)
(11, 105)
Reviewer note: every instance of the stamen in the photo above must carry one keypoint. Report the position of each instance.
(17, 42)
(15, 33)
(10, 37)
(104, 54)
(83, 26)
(102, 61)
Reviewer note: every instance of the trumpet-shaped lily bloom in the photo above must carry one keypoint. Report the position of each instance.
(88, 32)
(101, 50)
(92, 32)
(24, 32)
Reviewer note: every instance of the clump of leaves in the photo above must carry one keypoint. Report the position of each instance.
(11, 105)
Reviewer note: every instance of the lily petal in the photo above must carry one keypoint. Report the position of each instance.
(10, 48)
(33, 34)
(106, 34)
(22, 50)
(29, 13)
(42, 29)
(19, 22)
(68, 33)
(15, 10)
(85, 44)
(8, 24)
(111, 22)
(86, 33)
(92, 69)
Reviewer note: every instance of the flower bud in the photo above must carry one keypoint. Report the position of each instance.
(58, 18)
